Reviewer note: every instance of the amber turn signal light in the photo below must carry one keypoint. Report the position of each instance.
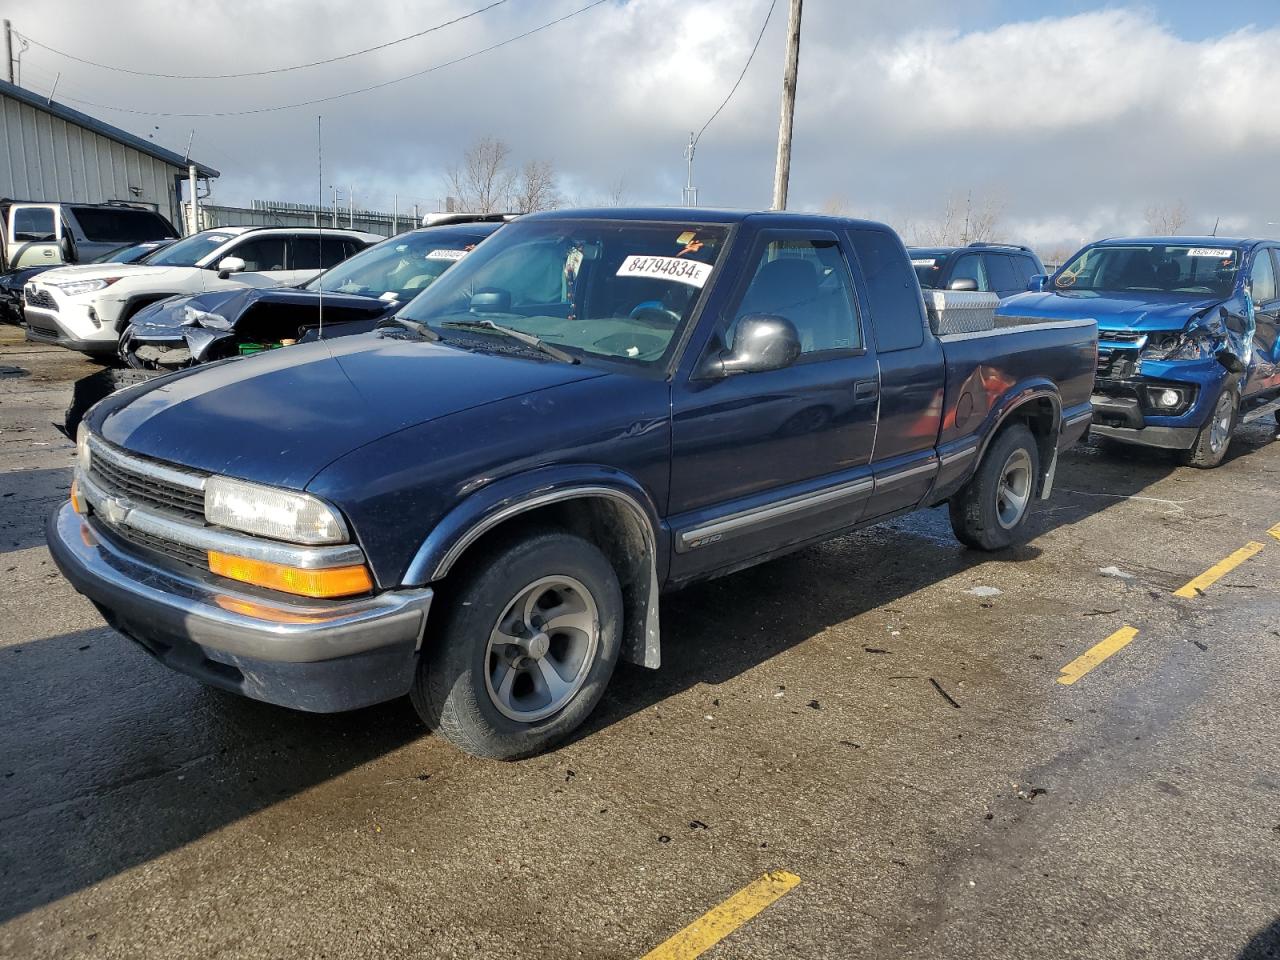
(328, 582)
(77, 501)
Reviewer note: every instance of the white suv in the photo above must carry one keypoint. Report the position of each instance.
(85, 307)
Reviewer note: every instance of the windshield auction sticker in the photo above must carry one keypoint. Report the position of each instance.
(1218, 253)
(691, 272)
(446, 254)
(923, 263)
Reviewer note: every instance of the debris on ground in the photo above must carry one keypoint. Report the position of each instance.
(875, 650)
(945, 696)
(814, 705)
(981, 591)
(1117, 573)
(1031, 794)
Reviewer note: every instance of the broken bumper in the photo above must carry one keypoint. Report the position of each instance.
(308, 655)
(1130, 410)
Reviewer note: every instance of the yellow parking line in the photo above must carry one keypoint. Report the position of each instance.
(1195, 587)
(1275, 531)
(1096, 654)
(713, 926)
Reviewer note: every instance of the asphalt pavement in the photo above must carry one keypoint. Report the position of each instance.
(868, 749)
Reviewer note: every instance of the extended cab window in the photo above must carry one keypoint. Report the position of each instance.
(893, 295)
(1264, 278)
(807, 282)
(34, 225)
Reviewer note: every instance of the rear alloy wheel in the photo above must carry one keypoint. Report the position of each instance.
(525, 648)
(1215, 436)
(990, 511)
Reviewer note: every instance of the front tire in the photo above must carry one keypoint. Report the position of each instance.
(527, 647)
(1214, 437)
(990, 511)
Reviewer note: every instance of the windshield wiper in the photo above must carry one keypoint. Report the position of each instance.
(528, 338)
(413, 326)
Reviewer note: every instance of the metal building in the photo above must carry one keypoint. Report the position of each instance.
(51, 153)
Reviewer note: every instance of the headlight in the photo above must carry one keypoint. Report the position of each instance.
(82, 448)
(270, 512)
(191, 317)
(74, 288)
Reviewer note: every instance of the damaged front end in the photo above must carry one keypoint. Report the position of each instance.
(184, 331)
(1158, 387)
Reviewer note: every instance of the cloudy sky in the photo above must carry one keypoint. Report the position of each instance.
(1073, 117)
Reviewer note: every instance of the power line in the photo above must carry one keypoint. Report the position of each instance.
(348, 93)
(258, 73)
(737, 83)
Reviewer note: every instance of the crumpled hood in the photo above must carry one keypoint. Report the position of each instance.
(1113, 310)
(233, 304)
(281, 416)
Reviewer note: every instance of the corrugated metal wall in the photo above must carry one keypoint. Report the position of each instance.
(43, 157)
(218, 215)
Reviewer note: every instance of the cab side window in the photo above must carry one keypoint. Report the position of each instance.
(808, 282)
(1264, 277)
(318, 253)
(970, 267)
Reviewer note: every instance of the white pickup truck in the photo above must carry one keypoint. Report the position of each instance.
(85, 307)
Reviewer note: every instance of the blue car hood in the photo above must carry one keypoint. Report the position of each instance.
(232, 304)
(282, 416)
(1113, 311)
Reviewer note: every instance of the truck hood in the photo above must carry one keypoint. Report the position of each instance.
(1113, 310)
(281, 416)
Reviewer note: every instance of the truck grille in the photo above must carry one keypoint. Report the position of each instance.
(137, 480)
(166, 548)
(36, 297)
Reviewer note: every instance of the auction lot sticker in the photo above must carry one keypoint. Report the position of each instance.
(691, 272)
(446, 254)
(1218, 253)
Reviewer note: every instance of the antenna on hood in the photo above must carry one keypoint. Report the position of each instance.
(320, 222)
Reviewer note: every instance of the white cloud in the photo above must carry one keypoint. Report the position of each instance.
(1076, 124)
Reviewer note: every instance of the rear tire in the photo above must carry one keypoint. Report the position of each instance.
(1214, 438)
(990, 511)
(546, 602)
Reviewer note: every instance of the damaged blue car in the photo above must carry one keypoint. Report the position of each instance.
(1187, 336)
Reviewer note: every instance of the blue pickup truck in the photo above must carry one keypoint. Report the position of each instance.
(479, 503)
(1187, 336)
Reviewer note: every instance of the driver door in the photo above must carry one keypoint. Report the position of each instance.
(766, 459)
(34, 236)
(1264, 286)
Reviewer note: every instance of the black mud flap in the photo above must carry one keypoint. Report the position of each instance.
(89, 390)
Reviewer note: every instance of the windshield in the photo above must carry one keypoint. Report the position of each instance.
(397, 269)
(189, 251)
(928, 266)
(619, 290)
(1158, 267)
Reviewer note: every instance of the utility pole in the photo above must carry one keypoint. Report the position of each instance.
(351, 207)
(334, 223)
(782, 173)
(690, 191)
(195, 198)
(395, 213)
(8, 51)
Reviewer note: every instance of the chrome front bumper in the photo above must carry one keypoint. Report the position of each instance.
(311, 655)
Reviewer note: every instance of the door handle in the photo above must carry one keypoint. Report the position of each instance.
(866, 389)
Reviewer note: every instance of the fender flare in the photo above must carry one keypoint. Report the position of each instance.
(494, 504)
(1014, 400)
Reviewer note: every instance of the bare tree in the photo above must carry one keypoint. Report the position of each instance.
(1165, 219)
(483, 182)
(618, 193)
(535, 188)
(837, 205)
(962, 221)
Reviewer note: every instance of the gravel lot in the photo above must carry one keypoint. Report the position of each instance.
(879, 716)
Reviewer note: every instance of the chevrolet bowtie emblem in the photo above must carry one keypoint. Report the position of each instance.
(116, 508)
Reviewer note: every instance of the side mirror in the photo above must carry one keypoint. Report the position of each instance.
(491, 300)
(762, 342)
(229, 265)
(1230, 361)
(1037, 282)
(963, 283)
